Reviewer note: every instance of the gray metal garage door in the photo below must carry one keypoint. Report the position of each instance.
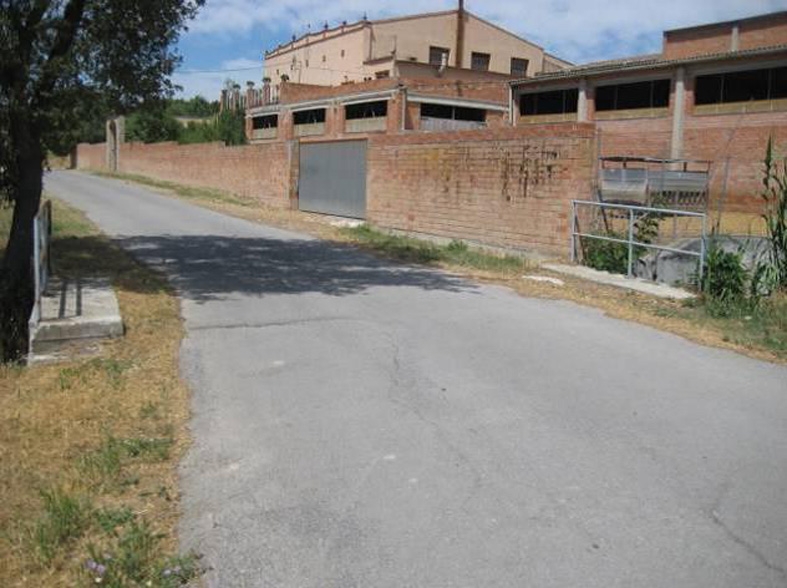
(333, 178)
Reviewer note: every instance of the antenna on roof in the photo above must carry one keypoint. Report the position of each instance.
(364, 16)
(325, 26)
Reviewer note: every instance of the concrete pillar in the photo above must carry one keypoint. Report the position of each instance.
(678, 110)
(582, 102)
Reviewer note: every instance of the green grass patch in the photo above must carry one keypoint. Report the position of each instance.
(413, 250)
(65, 518)
(104, 465)
(109, 519)
(131, 559)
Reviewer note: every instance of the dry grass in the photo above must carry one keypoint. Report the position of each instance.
(740, 334)
(93, 434)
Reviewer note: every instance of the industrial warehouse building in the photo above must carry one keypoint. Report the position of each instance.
(492, 141)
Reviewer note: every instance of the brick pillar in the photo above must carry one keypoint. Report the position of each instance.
(286, 130)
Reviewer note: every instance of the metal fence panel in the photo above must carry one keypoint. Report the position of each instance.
(332, 178)
(666, 230)
(42, 237)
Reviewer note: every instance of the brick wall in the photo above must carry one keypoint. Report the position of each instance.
(292, 92)
(261, 172)
(641, 137)
(506, 187)
(753, 33)
(763, 33)
(735, 143)
(91, 156)
(699, 41)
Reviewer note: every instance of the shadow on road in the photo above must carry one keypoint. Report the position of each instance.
(206, 267)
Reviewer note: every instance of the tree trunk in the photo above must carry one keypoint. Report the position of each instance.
(16, 283)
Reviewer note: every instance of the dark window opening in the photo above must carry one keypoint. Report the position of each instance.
(519, 67)
(307, 117)
(650, 94)
(452, 112)
(741, 86)
(436, 55)
(479, 61)
(270, 121)
(366, 110)
(554, 102)
(381, 75)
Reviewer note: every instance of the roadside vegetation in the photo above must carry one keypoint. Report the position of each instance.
(89, 446)
(157, 121)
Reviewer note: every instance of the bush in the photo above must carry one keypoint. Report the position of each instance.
(724, 281)
(775, 196)
(613, 257)
(606, 256)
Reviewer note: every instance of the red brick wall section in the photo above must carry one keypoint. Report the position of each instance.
(763, 33)
(260, 171)
(482, 90)
(291, 92)
(92, 156)
(640, 137)
(736, 145)
(703, 41)
(506, 187)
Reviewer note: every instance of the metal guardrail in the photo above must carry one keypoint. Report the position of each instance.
(631, 242)
(42, 238)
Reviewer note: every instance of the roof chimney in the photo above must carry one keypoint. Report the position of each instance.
(460, 33)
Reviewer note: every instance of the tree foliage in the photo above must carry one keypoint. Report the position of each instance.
(62, 60)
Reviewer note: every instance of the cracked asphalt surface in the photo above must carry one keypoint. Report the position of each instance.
(362, 423)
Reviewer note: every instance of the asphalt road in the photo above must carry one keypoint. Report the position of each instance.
(361, 423)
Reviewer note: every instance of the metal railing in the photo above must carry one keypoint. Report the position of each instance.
(629, 214)
(42, 238)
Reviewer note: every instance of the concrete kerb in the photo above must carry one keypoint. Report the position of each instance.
(619, 281)
(75, 310)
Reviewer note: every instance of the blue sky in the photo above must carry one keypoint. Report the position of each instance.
(228, 37)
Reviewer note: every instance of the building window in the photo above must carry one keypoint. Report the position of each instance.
(308, 117)
(307, 63)
(651, 94)
(323, 58)
(270, 121)
(437, 55)
(382, 74)
(741, 86)
(342, 52)
(366, 110)
(554, 102)
(452, 112)
(479, 61)
(519, 67)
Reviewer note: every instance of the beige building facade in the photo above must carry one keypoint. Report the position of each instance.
(425, 45)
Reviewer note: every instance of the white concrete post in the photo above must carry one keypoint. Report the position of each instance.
(582, 102)
(678, 108)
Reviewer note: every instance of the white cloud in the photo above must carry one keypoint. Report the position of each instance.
(576, 29)
(208, 83)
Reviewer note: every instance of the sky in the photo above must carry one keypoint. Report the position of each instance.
(229, 37)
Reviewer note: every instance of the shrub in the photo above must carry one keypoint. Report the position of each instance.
(724, 281)
(775, 215)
